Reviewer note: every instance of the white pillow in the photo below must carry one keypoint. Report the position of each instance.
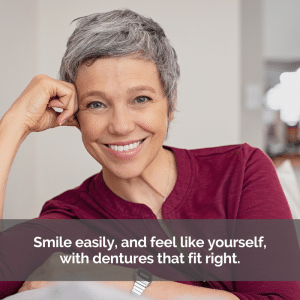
(288, 180)
(73, 291)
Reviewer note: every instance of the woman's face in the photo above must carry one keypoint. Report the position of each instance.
(123, 114)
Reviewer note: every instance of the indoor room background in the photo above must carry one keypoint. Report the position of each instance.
(222, 48)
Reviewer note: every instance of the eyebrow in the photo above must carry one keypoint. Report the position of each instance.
(129, 91)
(141, 88)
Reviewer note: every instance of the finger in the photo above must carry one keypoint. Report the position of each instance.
(22, 289)
(64, 101)
(61, 92)
(63, 96)
(66, 98)
(70, 109)
(68, 84)
(33, 285)
(27, 285)
(73, 105)
(72, 121)
(52, 116)
(55, 103)
(60, 89)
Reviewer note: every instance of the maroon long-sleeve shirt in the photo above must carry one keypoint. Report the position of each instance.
(228, 182)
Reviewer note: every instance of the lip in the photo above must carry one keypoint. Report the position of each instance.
(126, 155)
(124, 143)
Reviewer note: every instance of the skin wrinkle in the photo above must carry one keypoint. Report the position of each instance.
(105, 96)
(143, 178)
(122, 33)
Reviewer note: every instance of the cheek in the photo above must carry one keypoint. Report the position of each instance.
(90, 126)
(155, 122)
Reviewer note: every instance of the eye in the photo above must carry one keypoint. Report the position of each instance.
(142, 99)
(95, 104)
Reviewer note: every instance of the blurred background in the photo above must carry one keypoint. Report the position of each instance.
(238, 82)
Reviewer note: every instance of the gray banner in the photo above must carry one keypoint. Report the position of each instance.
(177, 250)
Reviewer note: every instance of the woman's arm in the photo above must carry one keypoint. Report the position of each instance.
(33, 112)
(158, 289)
(11, 137)
(175, 290)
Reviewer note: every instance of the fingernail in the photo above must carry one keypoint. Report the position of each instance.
(62, 122)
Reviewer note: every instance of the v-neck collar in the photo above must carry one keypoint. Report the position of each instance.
(123, 209)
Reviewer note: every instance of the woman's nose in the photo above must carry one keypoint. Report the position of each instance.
(121, 122)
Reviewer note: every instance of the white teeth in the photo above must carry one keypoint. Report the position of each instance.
(125, 147)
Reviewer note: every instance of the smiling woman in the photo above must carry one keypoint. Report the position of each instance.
(119, 88)
(123, 117)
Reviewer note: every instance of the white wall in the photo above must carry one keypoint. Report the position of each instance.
(282, 29)
(206, 35)
(252, 72)
(18, 64)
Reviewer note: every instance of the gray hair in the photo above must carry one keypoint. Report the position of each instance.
(122, 33)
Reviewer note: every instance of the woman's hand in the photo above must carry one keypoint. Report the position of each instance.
(33, 109)
(33, 285)
(44, 276)
(53, 270)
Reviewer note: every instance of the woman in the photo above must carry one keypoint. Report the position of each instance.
(119, 79)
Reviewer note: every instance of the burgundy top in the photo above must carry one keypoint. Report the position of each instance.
(228, 182)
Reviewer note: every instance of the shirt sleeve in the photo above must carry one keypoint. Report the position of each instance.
(268, 290)
(15, 259)
(18, 256)
(263, 198)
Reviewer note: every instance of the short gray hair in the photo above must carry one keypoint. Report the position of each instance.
(122, 33)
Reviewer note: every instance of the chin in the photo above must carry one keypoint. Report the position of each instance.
(125, 173)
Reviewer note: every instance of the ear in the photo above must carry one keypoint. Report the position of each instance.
(72, 121)
(77, 122)
(171, 116)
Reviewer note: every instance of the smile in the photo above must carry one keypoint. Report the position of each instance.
(125, 148)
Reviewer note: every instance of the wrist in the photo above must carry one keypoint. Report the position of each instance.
(142, 279)
(12, 127)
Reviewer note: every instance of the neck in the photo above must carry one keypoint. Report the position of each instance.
(151, 187)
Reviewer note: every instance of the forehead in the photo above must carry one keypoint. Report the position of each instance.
(117, 73)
